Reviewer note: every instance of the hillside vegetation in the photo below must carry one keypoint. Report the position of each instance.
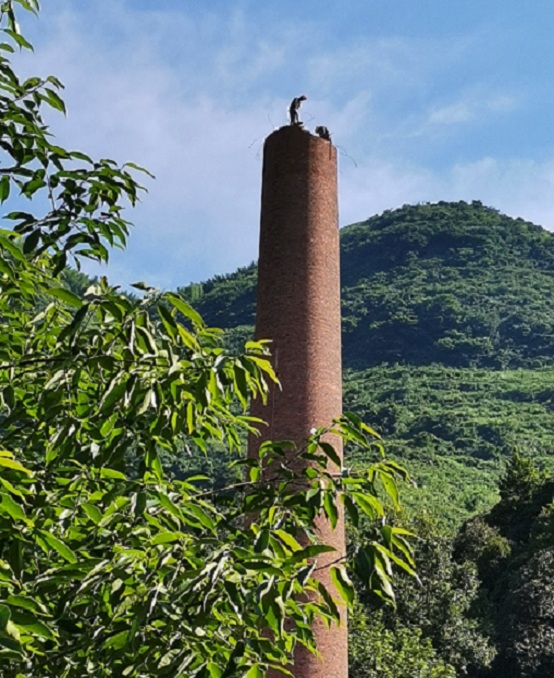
(455, 284)
(447, 342)
(451, 283)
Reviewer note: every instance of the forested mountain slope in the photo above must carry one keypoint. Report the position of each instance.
(451, 283)
(456, 284)
(447, 340)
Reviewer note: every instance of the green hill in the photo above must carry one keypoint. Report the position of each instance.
(455, 284)
(447, 341)
(451, 283)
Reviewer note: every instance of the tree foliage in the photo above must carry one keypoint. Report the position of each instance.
(512, 546)
(108, 566)
(434, 630)
(485, 604)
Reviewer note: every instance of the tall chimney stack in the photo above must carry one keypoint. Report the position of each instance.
(298, 308)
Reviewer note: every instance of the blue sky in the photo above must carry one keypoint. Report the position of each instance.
(427, 101)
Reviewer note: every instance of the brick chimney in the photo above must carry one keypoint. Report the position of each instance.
(298, 308)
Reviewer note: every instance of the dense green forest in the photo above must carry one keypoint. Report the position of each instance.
(451, 283)
(449, 353)
(447, 341)
(484, 606)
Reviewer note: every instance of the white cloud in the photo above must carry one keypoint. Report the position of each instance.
(453, 114)
(474, 106)
(377, 185)
(201, 214)
(503, 103)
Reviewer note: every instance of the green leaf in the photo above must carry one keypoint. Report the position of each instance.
(214, 670)
(330, 509)
(5, 616)
(153, 462)
(114, 393)
(31, 241)
(168, 321)
(327, 597)
(261, 566)
(13, 249)
(288, 540)
(77, 155)
(389, 484)
(9, 506)
(66, 296)
(12, 489)
(26, 603)
(185, 309)
(12, 645)
(93, 512)
(200, 513)
(311, 551)
(112, 474)
(386, 531)
(139, 168)
(369, 504)
(54, 100)
(15, 465)
(342, 583)
(117, 641)
(4, 188)
(351, 509)
(29, 624)
(384, 585)
(19, 39)
(167, 538)
(331, 453)
(402, 564)
(59, 546)
(369, 430)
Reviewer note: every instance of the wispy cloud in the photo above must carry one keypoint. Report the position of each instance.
(476, 106)
(452, 115)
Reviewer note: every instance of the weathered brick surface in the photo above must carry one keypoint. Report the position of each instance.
(299, 310)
